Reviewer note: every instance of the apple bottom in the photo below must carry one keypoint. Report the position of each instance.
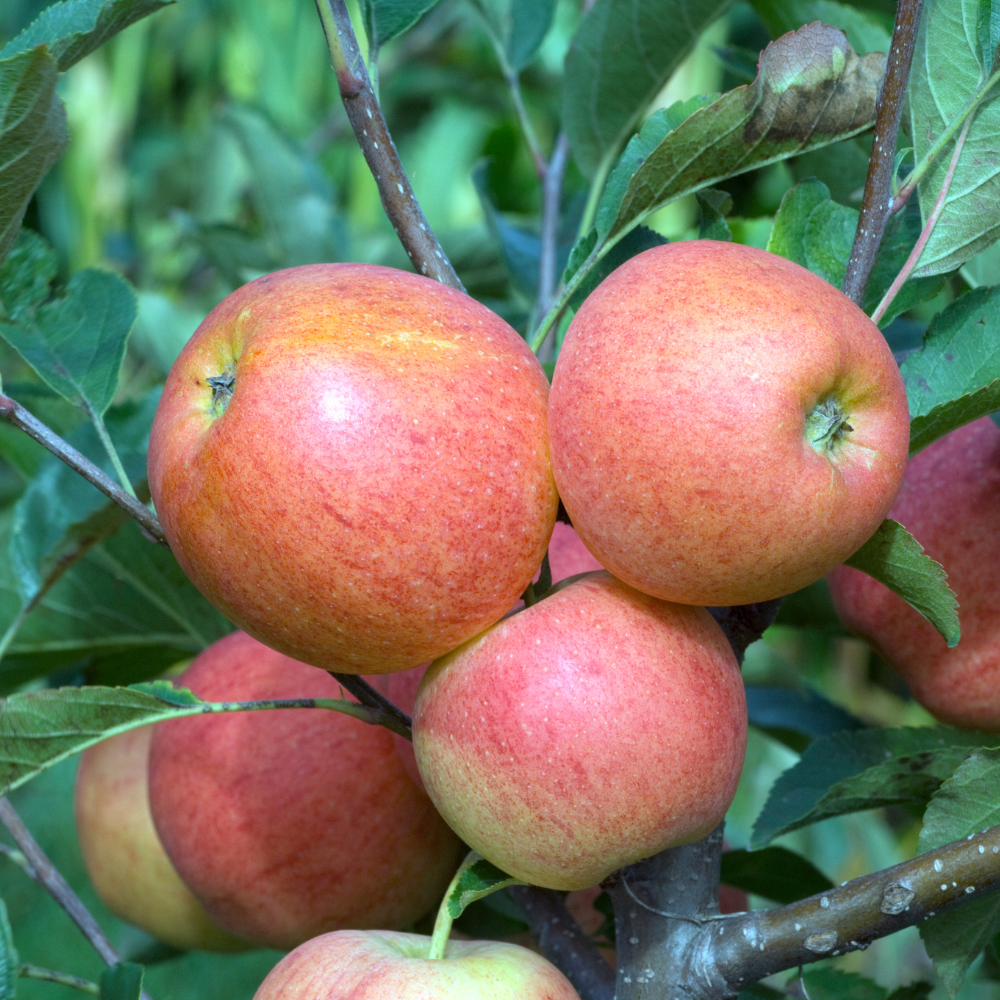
(389, 965)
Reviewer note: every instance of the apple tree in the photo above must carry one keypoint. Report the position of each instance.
(155, 156)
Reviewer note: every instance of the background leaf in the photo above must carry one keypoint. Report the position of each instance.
(385, 19)
(969, 801)
(25, 275)
(954, 939)
(122, 982)
(895, 558)
(866, 30)
(517, 28)
(862, 769)
(33, 134)
(950, 64)
(775, 873)
(622, 54)
(74, 28)
(480, 879)
(953, 378)
(8, 957)
(796, 716)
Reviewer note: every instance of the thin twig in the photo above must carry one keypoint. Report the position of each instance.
(27, 971)
(551, 205)
(918, 248)
(876, 206)
(368, 122)
(389, 715)
(59, 889)
(16, 414)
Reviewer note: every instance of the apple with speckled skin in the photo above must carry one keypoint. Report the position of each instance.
(123, 855)
(377, 965)
(586, 732)
(290, 823)
(351, 463)
(725, 426)
(950, 502)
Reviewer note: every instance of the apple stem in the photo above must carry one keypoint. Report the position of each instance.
(222, 390)
(826, 424)
(445, 918)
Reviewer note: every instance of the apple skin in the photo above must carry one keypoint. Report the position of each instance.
(382, 965)
(677, 424)
(123, 855)
(290, 823)
(588, 731)
(378, 488)
(950, 502)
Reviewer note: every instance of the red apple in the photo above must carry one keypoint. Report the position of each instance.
(123, 855)
(950, 501)
(725, 426)
(351, 463)
(292, 822)
(373, 965)
(591, 730)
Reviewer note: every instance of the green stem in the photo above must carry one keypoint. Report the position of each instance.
(444, 920)
(595, 192)
(51, 976)
(116, 462)
(918, 172)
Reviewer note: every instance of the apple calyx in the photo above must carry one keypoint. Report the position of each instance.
(826, 425)
(222, 390)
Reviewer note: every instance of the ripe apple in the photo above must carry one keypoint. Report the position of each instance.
(351, 463)
(950, 501)
(382, 965)
(586, 732)
(123, 855)
(292, 822)
(725, 426)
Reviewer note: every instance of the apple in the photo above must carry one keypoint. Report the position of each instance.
(123, 855)
(382, 965)
(725, 426)
(292, 822)
(588, 731)
(950, 501)
(351, 463)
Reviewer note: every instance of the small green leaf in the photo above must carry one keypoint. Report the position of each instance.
(862, 769)
(33, 134)
(955, 376)
(516, 27)
(385, 19)
(9, 962)
(167, 692)
(76, 344)
(122, 982)
(775, 873)
(966, 803)
(895, 558)
(480, 879)
(784, 712)
(953, 940)
(75, 28)
(619, 59)
(786, 110)
(836, 984)
(713, 207)
(25, 275)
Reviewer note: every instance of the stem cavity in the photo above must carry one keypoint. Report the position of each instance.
(826, 424)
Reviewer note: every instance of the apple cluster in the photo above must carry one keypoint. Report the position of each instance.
(362, 468)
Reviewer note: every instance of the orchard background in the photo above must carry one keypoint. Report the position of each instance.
(154, 156)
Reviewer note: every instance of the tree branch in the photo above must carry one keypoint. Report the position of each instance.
(368, 122)
(14, 413)
(46, 874)
(743, 949)
(390, 716)
(564, 943)
(877, 204)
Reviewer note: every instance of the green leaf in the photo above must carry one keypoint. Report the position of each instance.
(76, 344)
(954, 939)
(786, 110)
(9, 962)
(516, 27)
(478, 880)
(951, 64)
(919, 990)
(836, 984)
(713, 207)
(25, 275)
(122, 982)
(385, 19)
(75, 28)
(620, 58)
(33, 134)
(955, 377)
(895, 558)
(863, 29)
(786, 712)
(966, 803)
(775, 873)
(167, 692)
(862, 769)
(39, 729)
